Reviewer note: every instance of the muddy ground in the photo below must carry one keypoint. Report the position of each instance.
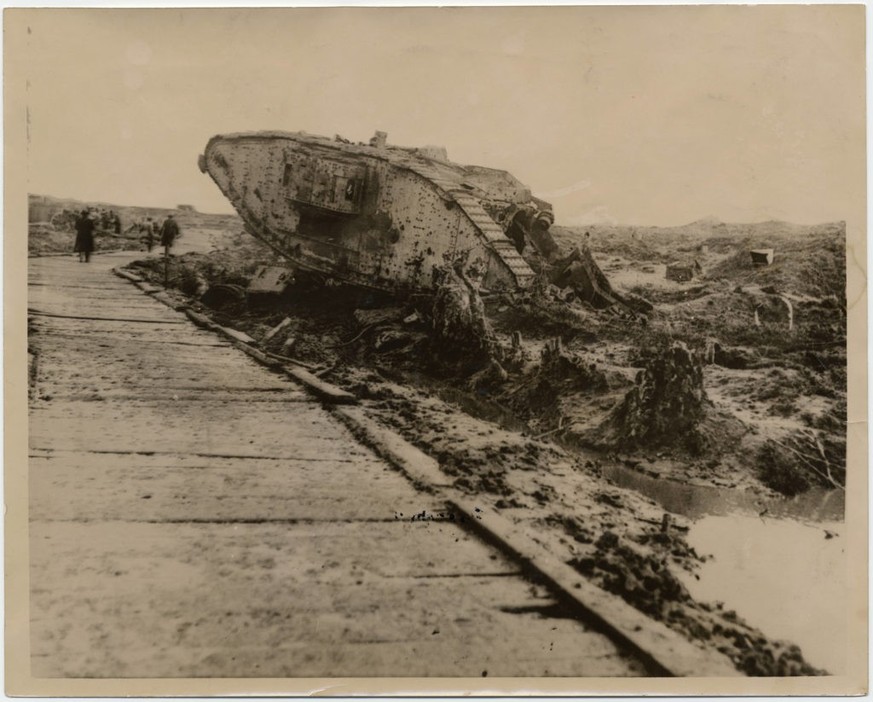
(530, 434)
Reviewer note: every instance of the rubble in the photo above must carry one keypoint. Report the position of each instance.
(682, 272)
(579, 272)
(220, 295)
(270, 280)
(281, 326)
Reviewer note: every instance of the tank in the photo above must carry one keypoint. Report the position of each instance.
(391, 217)
(375, 214)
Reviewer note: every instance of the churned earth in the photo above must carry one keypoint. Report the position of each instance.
(538, 433)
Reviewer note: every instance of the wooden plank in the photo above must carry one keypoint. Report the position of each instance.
(667, 650)
(325, 391)
(418, 466)
(102, 330)
(69, 312)
(177, 427)
(146, 601)
(182, 487)
(133, 277)
(235, 334)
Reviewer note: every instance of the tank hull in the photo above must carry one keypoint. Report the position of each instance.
(377, 216)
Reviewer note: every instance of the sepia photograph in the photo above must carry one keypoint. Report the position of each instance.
(431, 350)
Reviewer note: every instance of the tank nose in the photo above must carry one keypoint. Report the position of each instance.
(217, 162)
(214, 159)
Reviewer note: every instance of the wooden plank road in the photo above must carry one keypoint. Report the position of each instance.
(194, 514)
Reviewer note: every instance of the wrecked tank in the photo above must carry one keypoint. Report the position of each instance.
(390, 217)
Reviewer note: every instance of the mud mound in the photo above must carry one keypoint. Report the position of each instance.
(543, 316)
(461, 332)
(666, 406)
(558, 393)
(570, 371)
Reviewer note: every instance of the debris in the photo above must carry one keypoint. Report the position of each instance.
(795, 463)
(491, 375)
(288, 359)
(580, 272)
(790, 312)
(235, 334)
(734, 358)
(679, 273)
(278, 328)
(392, 339)
(666, 523)
(270, 280)
(774, 309)
(762, 257)
(382, 315)
(221, 295)
(638, 303)
(559, 365)
(683, 272)
(461, 330)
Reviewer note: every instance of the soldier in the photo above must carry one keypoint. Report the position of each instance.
(169, 233)
(147, 233)
(84, 237)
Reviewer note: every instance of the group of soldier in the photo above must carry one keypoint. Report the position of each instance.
(149, 230)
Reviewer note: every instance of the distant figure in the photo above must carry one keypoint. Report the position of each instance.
(84, 237)
(169, 233)
(146, 233)
(117, 223)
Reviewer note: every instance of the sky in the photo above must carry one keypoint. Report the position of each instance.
(632, 115)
